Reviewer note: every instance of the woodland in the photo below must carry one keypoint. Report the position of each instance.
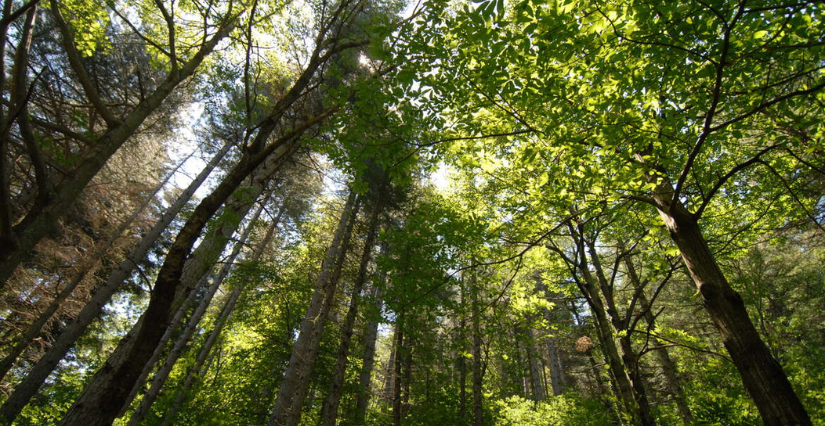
(377, 212)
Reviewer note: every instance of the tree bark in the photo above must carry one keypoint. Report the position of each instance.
(329, 412)
(295, 385)
(629, 357)
(365, 378)
(668, 366)
(397, 414)
(177, 350)
(106, 393)
(761, 373)
(478, 370)
(536, 367)
(197, 370)
(37, 375)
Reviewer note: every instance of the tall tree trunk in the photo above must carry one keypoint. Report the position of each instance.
(668, 366)
(88, 265)
(621, 381)
(629, 357)
(462, 367)
(196, 270)
(370, 336)
(197, 370)
(478, 370)
(104, 396)
(18, 111)
(39, 222)
(397, 414)
(389, 372)
(556, 367)
(761, 373)
(295, 385)
(329, 412)
(24, 391)
(177, 350)
(536, 367)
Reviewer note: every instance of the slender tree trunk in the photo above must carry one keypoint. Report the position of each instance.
(536, 368)
(295, 385)
(329, 412)
(38, 374)
(197, 267)
(397, 415)
(177, 350)
(462, 369)
(622, 383)
(406, 379)
(389, 373)
(39, 222)
(19, 112)
(365, 379)
(478, 371)
(668, 366)
(761, 373)
(629, 357)
(197, 370)
(106, 393)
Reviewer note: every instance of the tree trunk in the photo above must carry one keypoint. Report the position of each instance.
(329, 412)
(38, 374)
(397, 415)
(106, 393)
(295, 385)
(389, 373)
(365, 379)
(177, 350)
(196, 371)
(761, 373)
(629, 357)
(536, 367)
(198, 265)
(611, 352)
(668, 366)
(462, 369)
(478, 370)
(39, 222)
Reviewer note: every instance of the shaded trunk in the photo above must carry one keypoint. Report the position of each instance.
(365, 378)
(60, 347)
(295, 385)
(197, 267)
(462, 370)
(669, 368)
(761, 373)
(199, 369)
(396, 374)
(478, 370)
(329, 412)
(629, 358)
(623, 388)
(182, 341)
(106, 393)
(536, 367)
(556, 367)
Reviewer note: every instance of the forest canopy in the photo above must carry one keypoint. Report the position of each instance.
(376, 212)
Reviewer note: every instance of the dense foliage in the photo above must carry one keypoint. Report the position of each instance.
(435, 213)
